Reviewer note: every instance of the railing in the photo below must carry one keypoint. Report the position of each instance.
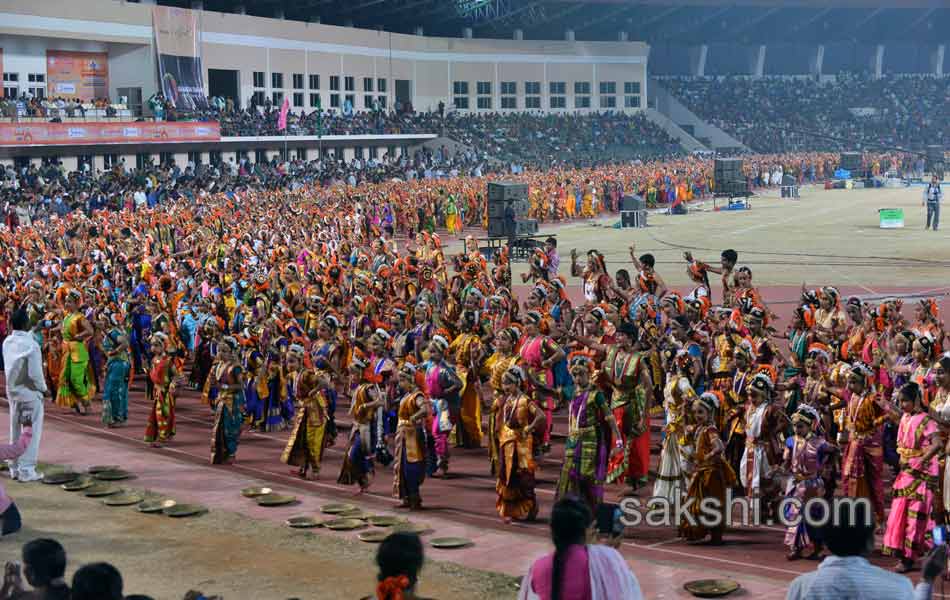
(67, 115)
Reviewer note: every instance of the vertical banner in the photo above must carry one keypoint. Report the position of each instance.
(178, 42)
(77, 75)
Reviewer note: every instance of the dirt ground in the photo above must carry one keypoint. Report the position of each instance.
(826, 237)
(250, 559)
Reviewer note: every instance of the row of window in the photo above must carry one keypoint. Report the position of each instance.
(297, 100)
(36, 81)
(534, 102)
(533, 88)
(370, 84)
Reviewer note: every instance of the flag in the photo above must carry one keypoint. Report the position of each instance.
(282, 120)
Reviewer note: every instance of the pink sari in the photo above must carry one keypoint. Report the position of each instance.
(533, 354)
(909, 522)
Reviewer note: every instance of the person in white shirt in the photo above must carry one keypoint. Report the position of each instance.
(933, 194)
(847, 575)
(26, 386)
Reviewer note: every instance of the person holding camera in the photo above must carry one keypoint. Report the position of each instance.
(26, 386)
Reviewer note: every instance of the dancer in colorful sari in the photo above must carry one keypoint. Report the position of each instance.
(497, 365)
(76, 386)
(310, 390)
(806, 455)
(671, 477)
(442, 388)
(711, 475)
(539, 353)
(163, 377)
(862, 467)
(591, 426)
(367, 399)
(519, 417)
(909, 521)
(466, 352)
(764, 424)
(411, 441)
(227, 382)
(115, 392)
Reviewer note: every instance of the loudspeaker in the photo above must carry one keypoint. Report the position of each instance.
(632, 202)
(497, 229)
(851, 161)
(507, 190)
(727, 169)
(526, 226)
(496, 210)
(633, 218)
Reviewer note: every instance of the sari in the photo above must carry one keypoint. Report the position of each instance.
(910, 520)
(228, 414)
(75, 379)
(308, 436)
(610, 576)
(409, 471)
(534, 352)
(586, 448)
(628, 402)
(496, 366)
(160, 426)
(115, 391)
(711, 477)
(674, 454)
(805, 459)
(469, 434)
(516, 466)
(358, 460)
(862, 467)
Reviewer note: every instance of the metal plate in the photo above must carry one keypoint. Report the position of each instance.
(417, 528)
(100, 468)
(102, 489)
(710, 588)
(123, 499)
(275, 499)
(185, 510)
(156, 506)
(374, 536)
(79, 484)
(344, 524)
(59, 477)
(334, 509)
(113, 475)
(450, 542)
(304, 522)
(384, 520)
(254, 492)
(356, 513)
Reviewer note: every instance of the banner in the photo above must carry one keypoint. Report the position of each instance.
(72, 134)
(891, 218)
(178, 42)
(72, 75)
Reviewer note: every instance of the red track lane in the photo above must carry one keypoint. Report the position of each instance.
(468, 496)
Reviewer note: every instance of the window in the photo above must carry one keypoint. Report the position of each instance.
(314, 100)
(334, 101)
(509, 88)
(608, 87)
(374, 152)
(582, 88)
(532, 88)
(460, 88)
(381, 85)
(277, 80)
(111, 160)
(483, 88)
(301, 154)
(484, 102)
(349, 84)
(194, 157)
(298, 81)
(382, 102)
(338, 153)
(11, 77)
(608, 102)
(314, 82)
(461, 102)
(298, 99)
(510, 102)
(368, 102)
(557, 88)
(142, 161)
(38, 92)
(351, 99)
(581, 101)
(214, 157)
(335, 83)
(257, 98)
(36, 77)
(277, 98)
(532, 102)
(558, 102)
(258, 79)
(367, 84)
(10, 92)
(631, 87)
(358, 152)
(260, 156)
(631, 101)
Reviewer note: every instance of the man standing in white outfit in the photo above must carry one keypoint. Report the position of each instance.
(25, 389)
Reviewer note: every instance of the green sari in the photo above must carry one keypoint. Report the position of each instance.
(75, 381)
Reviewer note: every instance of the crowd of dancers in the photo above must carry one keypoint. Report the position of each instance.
(285, 308)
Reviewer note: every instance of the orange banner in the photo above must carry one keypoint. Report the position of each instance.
(72, 134)
(82, 75)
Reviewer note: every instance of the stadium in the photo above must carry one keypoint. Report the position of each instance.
(404, 299)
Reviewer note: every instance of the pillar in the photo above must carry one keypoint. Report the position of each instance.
(877, 61)
(181, 159)
(197, 5)
(697, 60)
(936, 60)
(757, 60)
(419, 31)
(98, 163)
(70, 163)
(279, 13)
(518, 34)
(240, 10)
(817, 60)
(623, 36)
(467, 33)
(569, 35)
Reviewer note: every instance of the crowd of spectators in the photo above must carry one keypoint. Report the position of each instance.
(28, 105)
(785, 114)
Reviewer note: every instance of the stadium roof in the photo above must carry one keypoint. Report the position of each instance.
(655, 21)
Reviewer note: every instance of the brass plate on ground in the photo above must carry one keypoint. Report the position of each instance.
(374, 536)
(59, 477)
(185, 510)
(333, 509)
(304, 522)
(384, 520)
(100, 468)
(254, 492)
(123, 499)
(710, 588)
(450, 542)
(156, 506)
(356, 513)
(79, 484)
(418, 528)
(113, 475)
(344, 524)
(275, 499)
(102, 489)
